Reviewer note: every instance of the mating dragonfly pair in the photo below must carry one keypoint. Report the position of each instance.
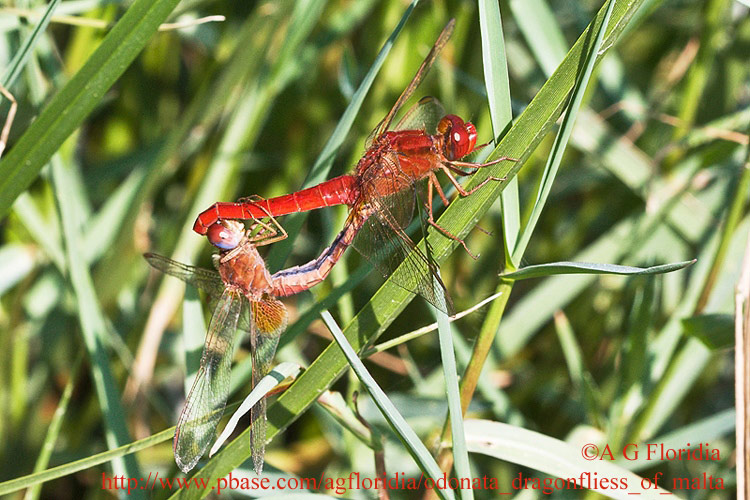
(380, 195)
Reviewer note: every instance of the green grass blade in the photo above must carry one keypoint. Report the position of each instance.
(714, 330)
(555, 268)
(571, 349)
(411, 441)
(53, 431)
(16, 262)
(78, 97)
(552, 456)
(495, 66)
(497, 83)
(22, 482)
(561, 141)
(662, 360)
(540, 30)
(716, 15)
(633, 376)
(19, 60)
(103, 227)
(45, 232)
(450, 374)
(581, 378)
(93, 325)
(707, 430)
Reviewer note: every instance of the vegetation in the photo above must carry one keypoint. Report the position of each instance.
(124, 134)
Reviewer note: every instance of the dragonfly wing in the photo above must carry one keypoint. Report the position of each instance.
(418, 77)
(383, 241)
(208, 396)
(269, 319)
(205, 279)
(424, 115)
(245, 323)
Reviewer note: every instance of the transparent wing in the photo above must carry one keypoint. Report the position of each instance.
(424, 115)
(383, 241)
(269, 319)
(205, 279)
(424, 68)
(208, 396)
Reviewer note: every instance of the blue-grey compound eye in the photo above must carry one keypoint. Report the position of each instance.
(221, 237)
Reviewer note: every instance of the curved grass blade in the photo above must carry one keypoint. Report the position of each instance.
(279, 374)
(551, 456)
(411, 441)
(554, 268)
(79, 96)
(707, 430)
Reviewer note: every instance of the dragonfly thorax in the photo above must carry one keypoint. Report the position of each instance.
(244, 270)
(240, 265)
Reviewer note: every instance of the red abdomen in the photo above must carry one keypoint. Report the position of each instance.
(337, 191)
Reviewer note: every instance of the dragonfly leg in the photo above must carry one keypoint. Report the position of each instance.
(488, 233)
(460, 188)
(271, 231)
(434, 184)
(469, 164)
(253, 198)
(459, 171)
(9, 120)
(431, 221)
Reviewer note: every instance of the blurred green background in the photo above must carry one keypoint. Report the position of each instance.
(655, 172)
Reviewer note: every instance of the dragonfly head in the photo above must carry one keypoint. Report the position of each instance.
(460, 137)
(226, 234)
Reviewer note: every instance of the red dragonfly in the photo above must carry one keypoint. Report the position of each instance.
(244, 294)
(381, 191)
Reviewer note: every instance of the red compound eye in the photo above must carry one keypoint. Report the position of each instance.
(220, 236)
(471, 131)
(460, 137)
